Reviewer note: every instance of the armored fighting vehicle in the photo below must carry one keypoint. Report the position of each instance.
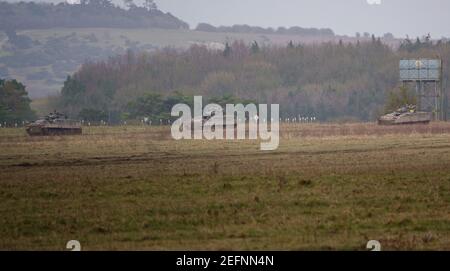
(405, 115)
(54, 124)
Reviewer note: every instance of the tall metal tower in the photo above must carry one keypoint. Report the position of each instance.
(426, 74)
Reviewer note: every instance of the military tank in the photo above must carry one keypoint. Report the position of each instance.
(54, 124)
(405, 115)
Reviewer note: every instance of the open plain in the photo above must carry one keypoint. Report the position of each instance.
(328, 186)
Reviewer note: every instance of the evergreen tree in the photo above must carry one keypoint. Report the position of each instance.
(227, 50)
(255, 47)
(290, 44)
(14, 102)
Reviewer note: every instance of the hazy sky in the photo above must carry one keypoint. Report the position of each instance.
(401, 17)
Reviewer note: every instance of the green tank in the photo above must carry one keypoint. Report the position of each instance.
(405, 115)
(54, 124)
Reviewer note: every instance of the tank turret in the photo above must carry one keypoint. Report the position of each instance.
(407, 114)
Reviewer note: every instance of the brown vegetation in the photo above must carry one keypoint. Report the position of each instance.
(326, 187)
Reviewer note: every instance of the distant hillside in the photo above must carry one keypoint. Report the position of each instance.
(295, 30)
(42, 58)
(90, 13)
(41, 44)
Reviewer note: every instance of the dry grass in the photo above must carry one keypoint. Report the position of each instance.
(360, 129)
(326, 187)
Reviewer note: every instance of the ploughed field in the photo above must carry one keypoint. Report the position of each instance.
(327, 187)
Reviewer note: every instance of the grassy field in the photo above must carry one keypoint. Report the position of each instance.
(327, 187)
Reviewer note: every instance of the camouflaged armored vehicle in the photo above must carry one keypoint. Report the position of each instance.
(54, 124)
(405, 115)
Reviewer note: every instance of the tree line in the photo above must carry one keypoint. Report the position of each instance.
(330, 81)
(295, 30)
